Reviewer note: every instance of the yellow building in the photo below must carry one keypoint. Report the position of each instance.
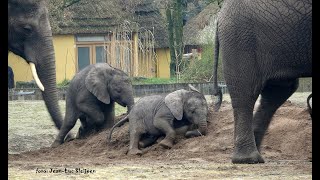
(139, 48)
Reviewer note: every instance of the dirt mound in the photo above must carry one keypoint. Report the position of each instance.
(288, 138)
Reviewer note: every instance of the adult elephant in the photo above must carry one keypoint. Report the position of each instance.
(266, 46)
(91, 97)
(10, 78)
(30, 37)
(156, 115)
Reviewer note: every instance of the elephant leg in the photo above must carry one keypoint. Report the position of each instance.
(86, 127)
(147, 141)
(69, 137)
(182, 129)
(109, 115)
(274, 94)
(188, 133)
(82, 127)
(135, 136)
(68, 123)
(244, 92)
(93, 114)
(167, 129)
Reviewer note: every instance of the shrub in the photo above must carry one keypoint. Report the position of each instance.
(201, 70)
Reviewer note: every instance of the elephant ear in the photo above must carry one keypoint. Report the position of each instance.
(174, 102)
(96, 84)
(193, 88)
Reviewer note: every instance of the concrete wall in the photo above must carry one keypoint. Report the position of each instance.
(138, 90)
(305, 85)
(142, 90)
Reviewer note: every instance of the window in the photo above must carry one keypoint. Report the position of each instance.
(92, 50)
(91, 54)
(113, 48)
(100, 54)
(83, 57)
(92, 38)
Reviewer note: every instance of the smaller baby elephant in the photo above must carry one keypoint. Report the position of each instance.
(91, 96)
(156, 115)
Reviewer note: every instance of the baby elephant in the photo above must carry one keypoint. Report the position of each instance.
(156, 115)
(91, 96)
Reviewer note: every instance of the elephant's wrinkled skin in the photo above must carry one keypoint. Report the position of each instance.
(91, 96)
(265, 46)
(156, 115)
(30, 37)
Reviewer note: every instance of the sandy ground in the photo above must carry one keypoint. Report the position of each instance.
(287, 149)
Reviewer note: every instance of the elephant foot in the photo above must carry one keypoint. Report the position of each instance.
(135, 152)
(166, 143)
(142, 144)
(147, 141)
(252, 158)
(84, 133)
(69, 138)
(55, 144)
(191, 134)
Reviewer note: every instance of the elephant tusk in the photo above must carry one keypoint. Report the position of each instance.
(199, 132)
(35, 76)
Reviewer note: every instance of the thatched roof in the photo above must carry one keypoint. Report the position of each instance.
(194, 27)
(148, 16)
(103, 16)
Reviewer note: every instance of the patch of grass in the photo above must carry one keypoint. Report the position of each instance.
(30, 126)
(63, 83)
(119, 109)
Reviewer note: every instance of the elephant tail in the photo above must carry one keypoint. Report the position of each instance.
(118, 124)
(216, 89)
(309, 107)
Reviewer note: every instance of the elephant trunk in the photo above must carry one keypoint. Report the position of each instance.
(46, 69)
(129, 107)
(201, 131)
(130, 104)
(203, 126)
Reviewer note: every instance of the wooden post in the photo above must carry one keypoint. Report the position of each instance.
(131, 55)
(135, 55)
(113, 50)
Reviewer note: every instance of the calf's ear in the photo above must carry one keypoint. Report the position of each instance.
(193, 88)
(96, 83)
(174, 102)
